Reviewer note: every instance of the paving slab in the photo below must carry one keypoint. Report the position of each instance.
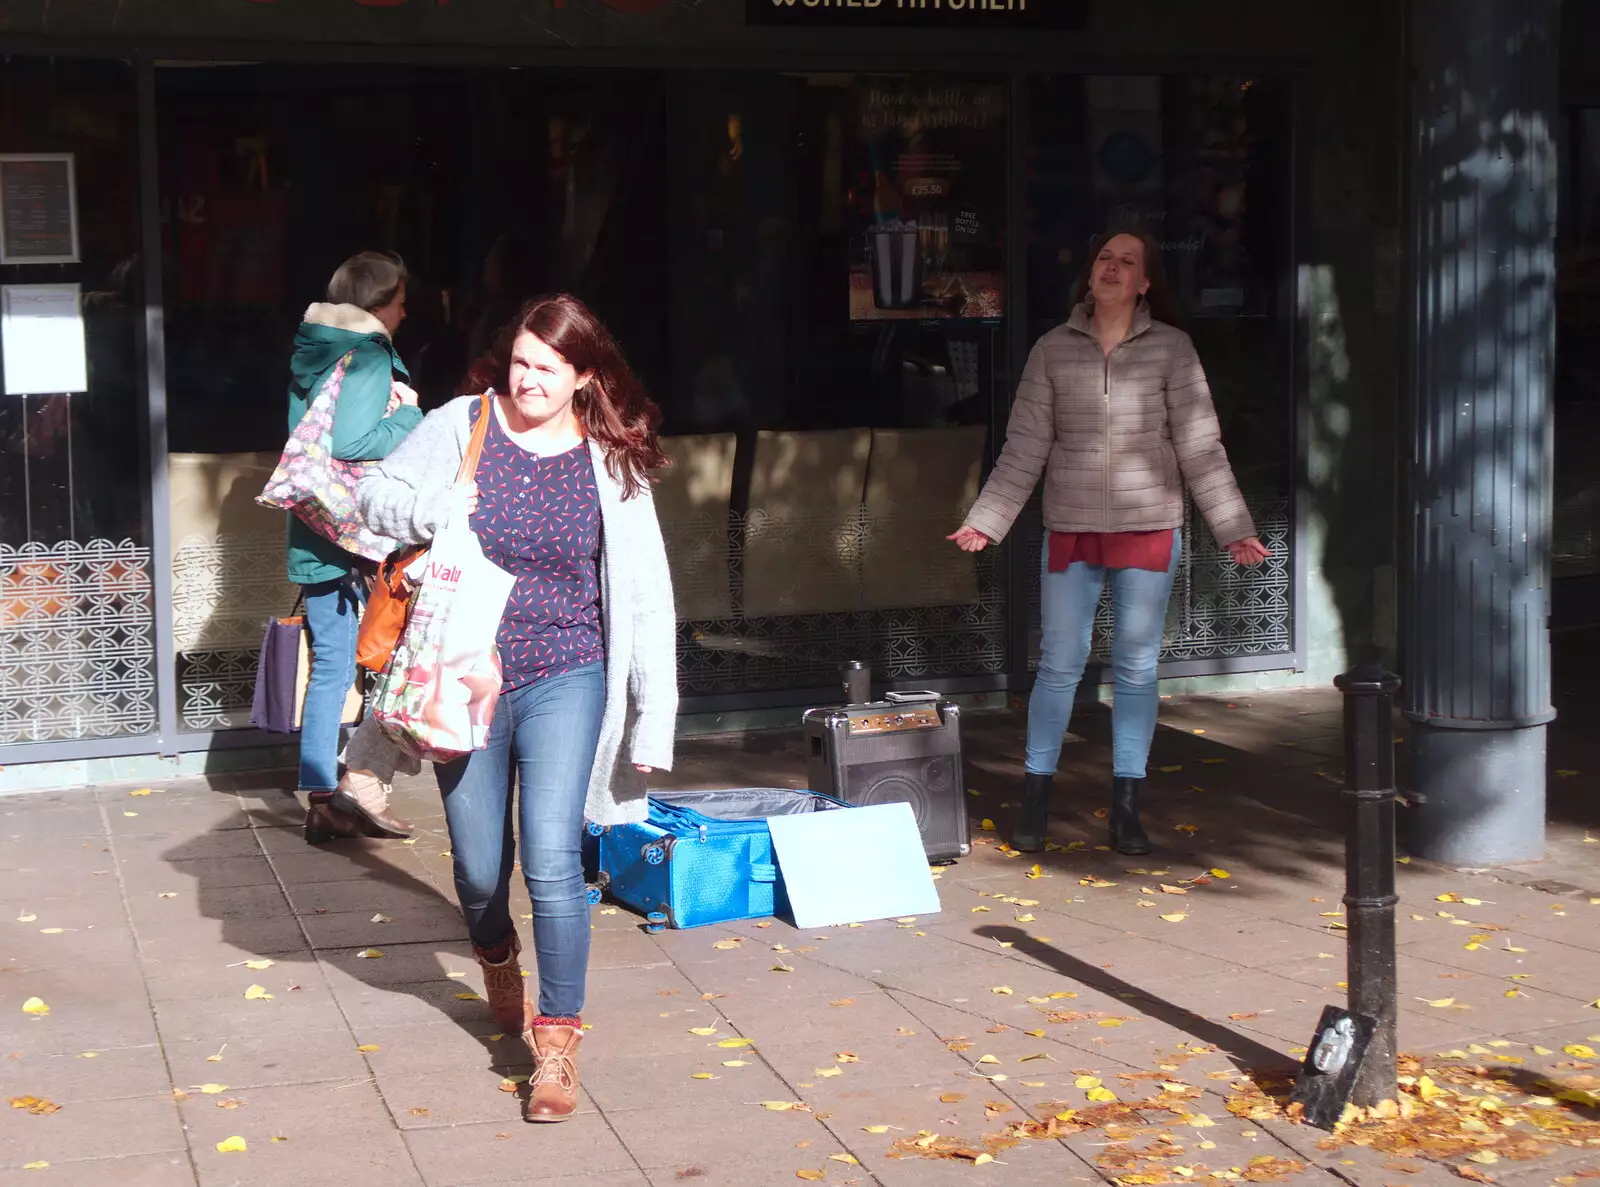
(883, 1024)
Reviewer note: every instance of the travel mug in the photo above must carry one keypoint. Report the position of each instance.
(857, 683)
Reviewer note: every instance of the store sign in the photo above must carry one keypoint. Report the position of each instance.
(42, 337)
(38, 209)
(929, 14)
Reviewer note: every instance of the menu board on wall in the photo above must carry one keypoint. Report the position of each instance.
(38, 209)
(928, 200)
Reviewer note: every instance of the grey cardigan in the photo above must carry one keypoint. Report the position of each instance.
(405, 497)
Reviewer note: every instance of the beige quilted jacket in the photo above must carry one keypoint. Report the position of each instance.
(1117, 437)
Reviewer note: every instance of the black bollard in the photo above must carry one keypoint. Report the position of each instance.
(1351, 1057)
(1369, 893)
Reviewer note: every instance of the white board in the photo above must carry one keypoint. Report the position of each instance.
(850, 865)
(41, 335)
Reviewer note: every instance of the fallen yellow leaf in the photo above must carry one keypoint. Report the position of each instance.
(780, 1106)
(1002, 990)
(213, 1089)
(1167, 770)
(1486, 1157)
(257, 993)
(1086, 1082)
(1110, 1023)
(735, 1063)
(811, 1176)
(1215, 873)
(730, 1044)
(1191, 829)
(986, 825)
(874, 1129)
(847, 1159)
(701, 1076)
(827, 1073)
(983, 1160)
(368, 1048)
(35, 1166)
(1036, 871)
(471, 997)
(27, 917)
(1201, 1121)
(702, 1031)
(233, 1145)
(1179, 918)
(1101, 1094)
(35, 1006)
(1441, 1002)
(1579, 1051)
(369, 954)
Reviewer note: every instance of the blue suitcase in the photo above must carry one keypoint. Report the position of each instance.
(702, 856)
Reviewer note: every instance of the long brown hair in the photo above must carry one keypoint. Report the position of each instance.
(612, 407)
(1163, 306)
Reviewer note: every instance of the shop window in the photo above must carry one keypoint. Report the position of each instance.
(1202, 164)
(76, 614)
(1575, 545)
(836, 311)
(493, 185)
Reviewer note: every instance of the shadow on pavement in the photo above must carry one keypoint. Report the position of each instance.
(1246, 1053)
(357, 879)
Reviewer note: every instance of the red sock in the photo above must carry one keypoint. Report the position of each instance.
(546, 1020)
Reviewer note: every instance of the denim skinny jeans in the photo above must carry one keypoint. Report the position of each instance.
(333, 612)
(541, 743)
(1067, 607)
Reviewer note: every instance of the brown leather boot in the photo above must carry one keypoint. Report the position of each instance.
(326, 823)
(507, 990)
(366, 797)
(553, 1092)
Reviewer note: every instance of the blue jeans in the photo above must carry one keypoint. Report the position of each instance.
(543, 739)
(1067, 606)
(333, 612)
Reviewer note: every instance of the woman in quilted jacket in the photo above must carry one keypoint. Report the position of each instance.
(375, 411)
(1114, 411)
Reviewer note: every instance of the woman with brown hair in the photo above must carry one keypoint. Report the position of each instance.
(561, 500)
(1114, 410)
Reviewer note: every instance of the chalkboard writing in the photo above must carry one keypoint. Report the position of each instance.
(38, 209)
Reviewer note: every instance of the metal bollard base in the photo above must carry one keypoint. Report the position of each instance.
(1332, 1069)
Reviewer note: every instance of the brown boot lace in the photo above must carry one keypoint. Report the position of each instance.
(553, 1091)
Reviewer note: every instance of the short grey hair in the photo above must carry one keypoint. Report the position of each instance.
(368, 280)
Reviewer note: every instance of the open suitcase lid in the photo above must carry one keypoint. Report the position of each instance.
(712, 806)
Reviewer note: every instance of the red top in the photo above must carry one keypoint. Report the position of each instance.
(1113, 550)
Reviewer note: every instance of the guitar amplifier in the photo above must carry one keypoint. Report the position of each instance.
(905, 749)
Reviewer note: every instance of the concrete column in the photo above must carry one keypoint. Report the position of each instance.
(1482, 170)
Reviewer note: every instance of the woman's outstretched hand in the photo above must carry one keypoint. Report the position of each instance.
(642, 769)
(969, 539)
(1249, 551)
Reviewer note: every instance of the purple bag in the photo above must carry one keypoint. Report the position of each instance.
(275, 706)
(319, 488)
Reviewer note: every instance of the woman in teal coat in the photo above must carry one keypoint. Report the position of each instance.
(376, 409)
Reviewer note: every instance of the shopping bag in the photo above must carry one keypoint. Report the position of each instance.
(436, 698)
(319, 488)
(282, 672)
(355, 697)
(274, 706)
(389, 601)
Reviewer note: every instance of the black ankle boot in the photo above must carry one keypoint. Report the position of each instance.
(1127, 834)
(1033, 821)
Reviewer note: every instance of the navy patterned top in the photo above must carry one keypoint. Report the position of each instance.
(539, 519)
